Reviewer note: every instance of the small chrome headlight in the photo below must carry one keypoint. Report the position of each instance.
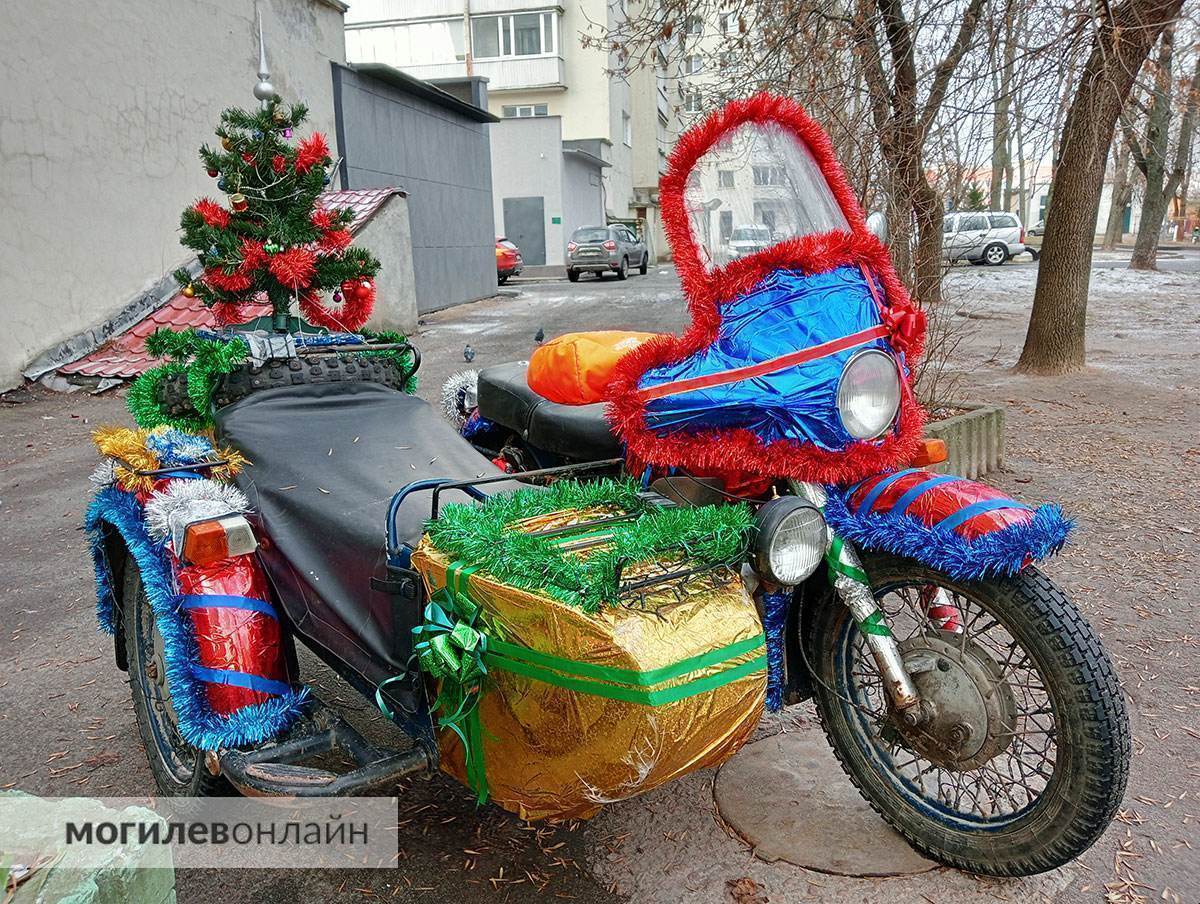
(868, 395)
(790, 540)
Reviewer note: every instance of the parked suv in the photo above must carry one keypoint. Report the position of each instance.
(600, 249)
(982, 237)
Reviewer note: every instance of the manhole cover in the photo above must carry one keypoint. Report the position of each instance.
(789, 798)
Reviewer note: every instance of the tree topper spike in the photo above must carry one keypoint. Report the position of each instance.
(264, 90)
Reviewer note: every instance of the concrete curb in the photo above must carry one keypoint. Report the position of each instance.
(974, 441)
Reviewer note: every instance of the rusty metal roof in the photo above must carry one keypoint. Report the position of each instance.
(125, 356)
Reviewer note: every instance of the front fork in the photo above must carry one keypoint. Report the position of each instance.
(848, 578)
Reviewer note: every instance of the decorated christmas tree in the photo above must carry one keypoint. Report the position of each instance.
(271, 238)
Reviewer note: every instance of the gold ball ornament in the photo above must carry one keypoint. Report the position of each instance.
(237, 202)
(227, 144)
(278, 116)
(189, 291)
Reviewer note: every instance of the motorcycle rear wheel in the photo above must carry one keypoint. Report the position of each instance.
(179, 769)
(1033, 789)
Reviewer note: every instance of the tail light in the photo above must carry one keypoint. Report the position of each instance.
(610, 245)
(212, 539)
(571, 246)
(1022, 238)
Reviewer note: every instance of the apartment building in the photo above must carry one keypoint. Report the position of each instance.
(531, 53)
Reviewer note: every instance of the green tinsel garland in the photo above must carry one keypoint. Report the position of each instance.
(483, 535)
(142, 402)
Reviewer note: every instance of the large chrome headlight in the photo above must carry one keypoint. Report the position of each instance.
(868, 395)
(790, 540)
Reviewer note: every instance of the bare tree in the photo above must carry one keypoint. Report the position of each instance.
(1122, 191)
(1123, 35)
(1151, 154)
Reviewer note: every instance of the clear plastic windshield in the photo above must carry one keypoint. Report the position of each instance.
(758, 186)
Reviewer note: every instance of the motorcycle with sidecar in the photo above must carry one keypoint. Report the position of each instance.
(963, 693)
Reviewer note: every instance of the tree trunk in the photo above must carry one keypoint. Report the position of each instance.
(1153, 162)
(1114, 229)
(1124, 37)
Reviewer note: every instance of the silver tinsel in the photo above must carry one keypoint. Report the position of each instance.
(460, 396)
(186, 500)
(105, 474)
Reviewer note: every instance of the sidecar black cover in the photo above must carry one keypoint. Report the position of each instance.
(325, 460)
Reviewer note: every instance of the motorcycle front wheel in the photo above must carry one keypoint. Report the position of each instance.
(1022, 755)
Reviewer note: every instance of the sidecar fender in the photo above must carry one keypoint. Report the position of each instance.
(962, 528)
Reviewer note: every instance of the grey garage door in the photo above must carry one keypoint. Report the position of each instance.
(525, 224)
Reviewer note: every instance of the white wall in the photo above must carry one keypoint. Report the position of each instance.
(527, 162)
(104, 108)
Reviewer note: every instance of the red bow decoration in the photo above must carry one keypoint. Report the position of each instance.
(906, 325)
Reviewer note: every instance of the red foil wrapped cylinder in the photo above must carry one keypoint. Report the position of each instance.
(239, 641)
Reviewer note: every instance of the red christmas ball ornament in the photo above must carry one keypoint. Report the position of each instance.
(248, 157)
(214, 173)
(365, 290)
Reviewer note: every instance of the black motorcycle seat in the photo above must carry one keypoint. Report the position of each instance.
(324, 462)
(579, 432)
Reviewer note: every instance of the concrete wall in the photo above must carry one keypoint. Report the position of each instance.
(104, 108)
(527, 162)
(582, 198)
(388, 235)
(440, 159)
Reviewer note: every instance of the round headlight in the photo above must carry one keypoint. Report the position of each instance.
(868, 395)
(790, 540)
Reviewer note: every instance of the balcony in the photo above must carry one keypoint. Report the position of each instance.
(503, 75)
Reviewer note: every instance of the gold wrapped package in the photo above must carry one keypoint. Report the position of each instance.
(581, 709)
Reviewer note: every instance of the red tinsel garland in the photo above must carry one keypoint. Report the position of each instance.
(253, 256)
(279, 163)
(212, 213)
(354, 311)
(294, 268)
(227, 282)
(335, 240)
(322, 219)
(311, 151)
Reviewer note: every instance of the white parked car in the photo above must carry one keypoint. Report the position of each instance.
(747, 240)
(982, 236)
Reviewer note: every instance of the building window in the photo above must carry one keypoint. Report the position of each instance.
(523, 111)
(693, 64)
(627, 129)
(692, 102)
(693, 25)
(726, 59)
(518, 35)
(725, 178)
(769, 175)
(727, 22)
(726, 225)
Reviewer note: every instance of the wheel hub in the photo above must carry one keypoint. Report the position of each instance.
(968, 709)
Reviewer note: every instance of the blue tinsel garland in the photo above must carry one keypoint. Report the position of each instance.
(775, 609)
(198, 724)
(1001, 552)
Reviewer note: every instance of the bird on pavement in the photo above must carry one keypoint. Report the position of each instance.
(468, 353)
(540, 336)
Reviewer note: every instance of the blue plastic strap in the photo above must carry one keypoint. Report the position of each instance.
(964, 515)
(901, 505)
(180, 475)
(877, 490)
(241, 679)
(225, 601)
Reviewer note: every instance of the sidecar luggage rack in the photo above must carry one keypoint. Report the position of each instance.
(275, 769)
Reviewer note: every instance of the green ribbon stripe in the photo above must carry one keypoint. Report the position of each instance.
(837, 566)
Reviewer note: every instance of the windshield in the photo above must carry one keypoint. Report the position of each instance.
(590, 234)
(751, 234)
(760, 183)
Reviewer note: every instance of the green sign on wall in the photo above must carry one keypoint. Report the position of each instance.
(556, 220)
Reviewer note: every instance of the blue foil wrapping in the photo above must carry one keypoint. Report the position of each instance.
(787, 312)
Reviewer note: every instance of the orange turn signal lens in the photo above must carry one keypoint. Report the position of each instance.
(929, 452)
(217, 538)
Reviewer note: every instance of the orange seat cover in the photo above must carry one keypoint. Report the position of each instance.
(574, 369)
